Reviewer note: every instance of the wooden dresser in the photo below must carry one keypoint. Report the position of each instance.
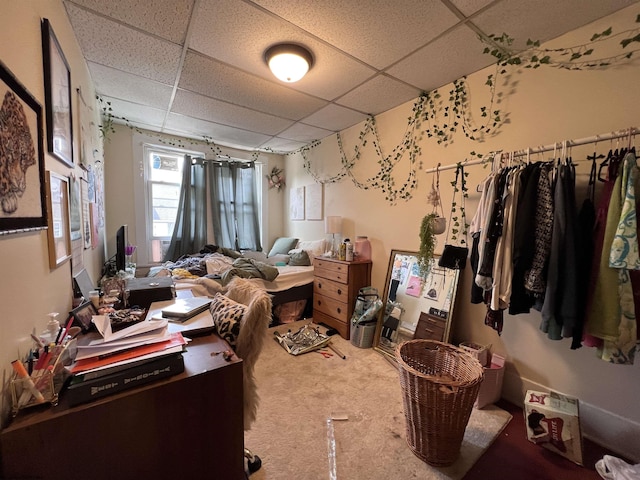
(432, 327)
(335, 288)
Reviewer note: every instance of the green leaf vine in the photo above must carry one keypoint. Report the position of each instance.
(440, 116)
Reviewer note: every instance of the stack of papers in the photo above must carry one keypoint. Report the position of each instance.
(141, 341)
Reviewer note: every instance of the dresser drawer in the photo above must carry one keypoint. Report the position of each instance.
(329, 288)
(430, 327)
(329, 306)
(338, 272)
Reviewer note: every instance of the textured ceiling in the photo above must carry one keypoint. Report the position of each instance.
(195, 68)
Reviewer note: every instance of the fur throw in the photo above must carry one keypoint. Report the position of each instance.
(253, 331)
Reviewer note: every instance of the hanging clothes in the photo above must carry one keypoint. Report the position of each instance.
(584, 254)
(478, 223)
(503, 263)
(606, 316)
(524, 239)
(623, 256)
(559, 311)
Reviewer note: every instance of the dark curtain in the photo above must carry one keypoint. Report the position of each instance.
(234, 208)
(190, 231)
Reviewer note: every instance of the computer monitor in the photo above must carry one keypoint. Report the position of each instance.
(121, 243)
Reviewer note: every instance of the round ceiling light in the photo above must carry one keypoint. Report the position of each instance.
(288, 62)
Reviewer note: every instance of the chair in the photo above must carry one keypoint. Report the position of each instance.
(248, 343)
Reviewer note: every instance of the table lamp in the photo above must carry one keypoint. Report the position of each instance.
(333, 225)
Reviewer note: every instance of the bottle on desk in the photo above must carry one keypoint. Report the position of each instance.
(348, 247)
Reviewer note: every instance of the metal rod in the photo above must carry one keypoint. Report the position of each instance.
(629, 132)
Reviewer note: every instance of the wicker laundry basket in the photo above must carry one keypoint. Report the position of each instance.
(440, 383)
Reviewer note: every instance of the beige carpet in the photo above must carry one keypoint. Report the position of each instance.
(298, 394)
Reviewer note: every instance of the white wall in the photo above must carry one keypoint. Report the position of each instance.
(29, 288)
(548, 105)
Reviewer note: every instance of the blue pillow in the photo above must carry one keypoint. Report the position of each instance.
(282, 246)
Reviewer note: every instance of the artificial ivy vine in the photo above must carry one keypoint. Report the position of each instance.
(442, 115)
(107, 128)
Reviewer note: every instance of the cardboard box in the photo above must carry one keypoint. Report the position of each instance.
(553, 421)
(491, 388)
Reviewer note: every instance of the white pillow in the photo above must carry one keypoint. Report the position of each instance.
(312, 247)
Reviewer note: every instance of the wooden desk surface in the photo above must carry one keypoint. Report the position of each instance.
(189, 425)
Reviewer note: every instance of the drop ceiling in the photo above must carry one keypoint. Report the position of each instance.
(195, 68)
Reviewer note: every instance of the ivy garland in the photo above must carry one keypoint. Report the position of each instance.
(442, 117)
(107, 127)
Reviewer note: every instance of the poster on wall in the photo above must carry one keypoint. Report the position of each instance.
(75, 209)
(296, 201)
(22, 177)
(86, 221)
(313, 201)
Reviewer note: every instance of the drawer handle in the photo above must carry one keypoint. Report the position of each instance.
(319, 285)
(319, 302)
(339, 292)
(428, 330)
(430, 320)
(338, 310)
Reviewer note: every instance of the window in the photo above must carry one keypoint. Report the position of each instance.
(163, 191)
(157, 195)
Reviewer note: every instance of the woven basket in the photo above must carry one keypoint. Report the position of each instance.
(440, 383)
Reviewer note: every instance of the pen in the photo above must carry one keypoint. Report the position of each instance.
(30, 388)
(338, 352)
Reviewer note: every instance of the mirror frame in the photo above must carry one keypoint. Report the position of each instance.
(385, 296)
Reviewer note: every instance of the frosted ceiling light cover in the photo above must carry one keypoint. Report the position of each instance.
(288, 63)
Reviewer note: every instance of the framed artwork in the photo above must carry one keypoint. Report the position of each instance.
(57, 90)
(75, 208)
(313, 201)
(296, 200)
(83, 316)
(58, 207)
(86, 220)
(23, 204)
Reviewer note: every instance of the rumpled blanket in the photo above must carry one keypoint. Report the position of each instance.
(249, 268)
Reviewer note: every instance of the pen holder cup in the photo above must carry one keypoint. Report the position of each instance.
(31, 391)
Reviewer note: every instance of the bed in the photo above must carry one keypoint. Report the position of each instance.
(286, 272)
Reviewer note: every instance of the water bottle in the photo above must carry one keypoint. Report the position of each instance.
(348, 250)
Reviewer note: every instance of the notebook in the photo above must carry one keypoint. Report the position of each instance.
(185, 308)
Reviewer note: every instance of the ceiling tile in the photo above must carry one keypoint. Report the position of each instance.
(118, 84)
(114, 45)
(379, 95)
(469, 7)
(167, 19)
(304, 133)
(222, 134)
(214, 79)
(543, 19)
(238, 34)
(282, 145)
(135, 113)
(460, 47)
(379, 32)
(335, 118)
(205, 108)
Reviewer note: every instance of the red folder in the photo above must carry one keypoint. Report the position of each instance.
(175, 340)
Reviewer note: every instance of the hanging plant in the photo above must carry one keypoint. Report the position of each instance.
(427, 245)
(276, 178)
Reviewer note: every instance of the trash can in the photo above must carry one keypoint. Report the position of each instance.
(440, 383)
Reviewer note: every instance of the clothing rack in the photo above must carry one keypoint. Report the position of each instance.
(629, 132)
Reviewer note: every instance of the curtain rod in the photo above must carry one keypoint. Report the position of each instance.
(629, 132)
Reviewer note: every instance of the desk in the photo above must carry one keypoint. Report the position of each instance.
(186, 426)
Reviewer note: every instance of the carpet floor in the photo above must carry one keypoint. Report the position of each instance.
(327, 417)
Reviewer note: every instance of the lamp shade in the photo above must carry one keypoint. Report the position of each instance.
(333, 224)
(288, 62)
